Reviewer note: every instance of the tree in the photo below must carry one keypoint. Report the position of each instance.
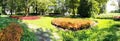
(3, 3)
(88, 8)
(20, 5)
(72, 4)
(102, 4)
(11, 4)
(42, 5)
(27, 5)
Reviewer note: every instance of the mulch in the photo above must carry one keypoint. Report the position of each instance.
(25, 17)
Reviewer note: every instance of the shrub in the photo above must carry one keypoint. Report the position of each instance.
(73, 24)
(12, 33)
(27, 34)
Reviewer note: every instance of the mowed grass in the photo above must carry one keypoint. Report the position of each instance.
(43, 22)
(105, 30)
(104, 23)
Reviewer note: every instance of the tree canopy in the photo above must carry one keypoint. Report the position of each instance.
(60, 6)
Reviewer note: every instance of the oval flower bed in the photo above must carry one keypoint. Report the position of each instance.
(72, 24)
(12, 33)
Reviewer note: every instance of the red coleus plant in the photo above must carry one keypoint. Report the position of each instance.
(69, 23)
(12, 33)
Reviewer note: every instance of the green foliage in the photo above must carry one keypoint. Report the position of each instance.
(95, 8)
(102, 2)
(92, 34)
(5, 21)
(102, 5)
(105, 29)
(71, 5)
(27, 34)
(0, 10)
(107, 16)
(88, 8)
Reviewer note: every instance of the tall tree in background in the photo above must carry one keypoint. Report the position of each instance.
(20, 5)
(42, 5)
(88, 8)
(26, 7)
(102, 4)
(3, 3)
(0, 6)
(61, 6)
(27, 4)
(72, 4)
(11, 5)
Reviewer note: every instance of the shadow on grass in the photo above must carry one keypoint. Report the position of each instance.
(43, 35)
(93, 34)
(37, 34)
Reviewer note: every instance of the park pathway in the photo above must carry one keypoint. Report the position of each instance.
(42, 35)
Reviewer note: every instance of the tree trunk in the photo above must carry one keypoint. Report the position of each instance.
(73, 10)
(11, 12)
(36, 9)
(42, 11)
(27, 11)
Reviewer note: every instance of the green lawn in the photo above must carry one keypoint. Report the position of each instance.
(43, 22)
(106, 30)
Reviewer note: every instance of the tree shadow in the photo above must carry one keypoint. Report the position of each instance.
(37, 34)
(43, 35)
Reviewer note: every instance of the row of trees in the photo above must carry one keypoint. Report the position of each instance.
(24, 5)
(81, 7)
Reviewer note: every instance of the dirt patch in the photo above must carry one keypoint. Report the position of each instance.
(12, 33)
(72, 24)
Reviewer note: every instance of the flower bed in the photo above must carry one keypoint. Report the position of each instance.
(29, 17)
(25, 17)
(16, 17)
(73, 24)
(116, 17)
(12, 33)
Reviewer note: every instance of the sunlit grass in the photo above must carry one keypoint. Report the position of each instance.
(103, 31)
(43, 22)
(104, 23)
